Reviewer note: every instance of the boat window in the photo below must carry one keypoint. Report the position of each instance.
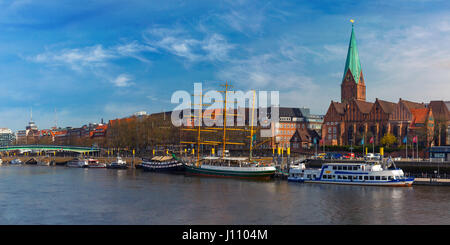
(334, 168)
(339, 176)
(383, 178)
(308, 176)
(389, 177)
(344, 177)
(339, 167)
(360, 177)
(355, 167)
(366, 177)
(371, 178)
(314, 176)
(377, 177)
(333, 176)
(344, 167)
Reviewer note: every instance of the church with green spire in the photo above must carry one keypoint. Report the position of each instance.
(355, 121)
(353, 86)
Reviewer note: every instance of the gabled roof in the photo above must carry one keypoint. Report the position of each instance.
(412, 105)
(306, 135)
(340, 107)
(352, 63)
(364, 106)
(386, 106)
(447, 103)
(441, 109)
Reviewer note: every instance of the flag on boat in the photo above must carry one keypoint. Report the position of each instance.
(315, 140)
(405, 140)
(362, 141)
(415, 139)
(371, 140)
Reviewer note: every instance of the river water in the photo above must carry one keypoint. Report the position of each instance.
(60, 195)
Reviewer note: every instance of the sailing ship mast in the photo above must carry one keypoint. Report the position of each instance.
(224, 115)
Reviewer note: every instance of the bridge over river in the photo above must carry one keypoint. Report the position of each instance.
(58, 148)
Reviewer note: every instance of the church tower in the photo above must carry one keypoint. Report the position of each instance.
(353, 86)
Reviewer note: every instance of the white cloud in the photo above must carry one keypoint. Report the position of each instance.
(77, 58)
(123, 80)
(92, 56)
(209, 47)
(281, 70)
(411, 63)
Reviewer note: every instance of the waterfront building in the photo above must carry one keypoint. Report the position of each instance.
(313, 121)
(441, 112)
(7, 137)
(30, 135)
(440, 153)
(355, 120)
(290, 120)
(304, 138)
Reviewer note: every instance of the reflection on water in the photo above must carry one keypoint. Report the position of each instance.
(59, 195)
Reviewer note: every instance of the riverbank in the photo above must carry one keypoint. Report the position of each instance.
(431, 181)
(62, 160)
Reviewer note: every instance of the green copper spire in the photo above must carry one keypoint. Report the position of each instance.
(352, 62)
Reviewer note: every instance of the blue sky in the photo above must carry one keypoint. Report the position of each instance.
(90, 60)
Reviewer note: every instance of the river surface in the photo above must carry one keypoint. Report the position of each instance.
(60, 195)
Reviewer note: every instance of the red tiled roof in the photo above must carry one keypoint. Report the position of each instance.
(419, 116)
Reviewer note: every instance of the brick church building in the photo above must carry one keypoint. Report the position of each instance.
(353, 118)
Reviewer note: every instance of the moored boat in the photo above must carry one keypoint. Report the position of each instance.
(94, 163)
(77, 163)
(15, 161)
(43, 161)
(162, 164)
(351, 174)
(31, 161)
(231, 167)
(118, 164)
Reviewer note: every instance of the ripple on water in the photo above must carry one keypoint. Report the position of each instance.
(59, 195)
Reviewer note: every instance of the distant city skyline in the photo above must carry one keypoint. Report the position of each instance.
(109, 59)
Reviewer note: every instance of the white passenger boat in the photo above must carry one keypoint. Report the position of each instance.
(118, 164)
(16, 161)
(1, 161)
(77, 163)
(351, 174)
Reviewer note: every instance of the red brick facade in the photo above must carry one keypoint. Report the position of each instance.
(351, 90)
